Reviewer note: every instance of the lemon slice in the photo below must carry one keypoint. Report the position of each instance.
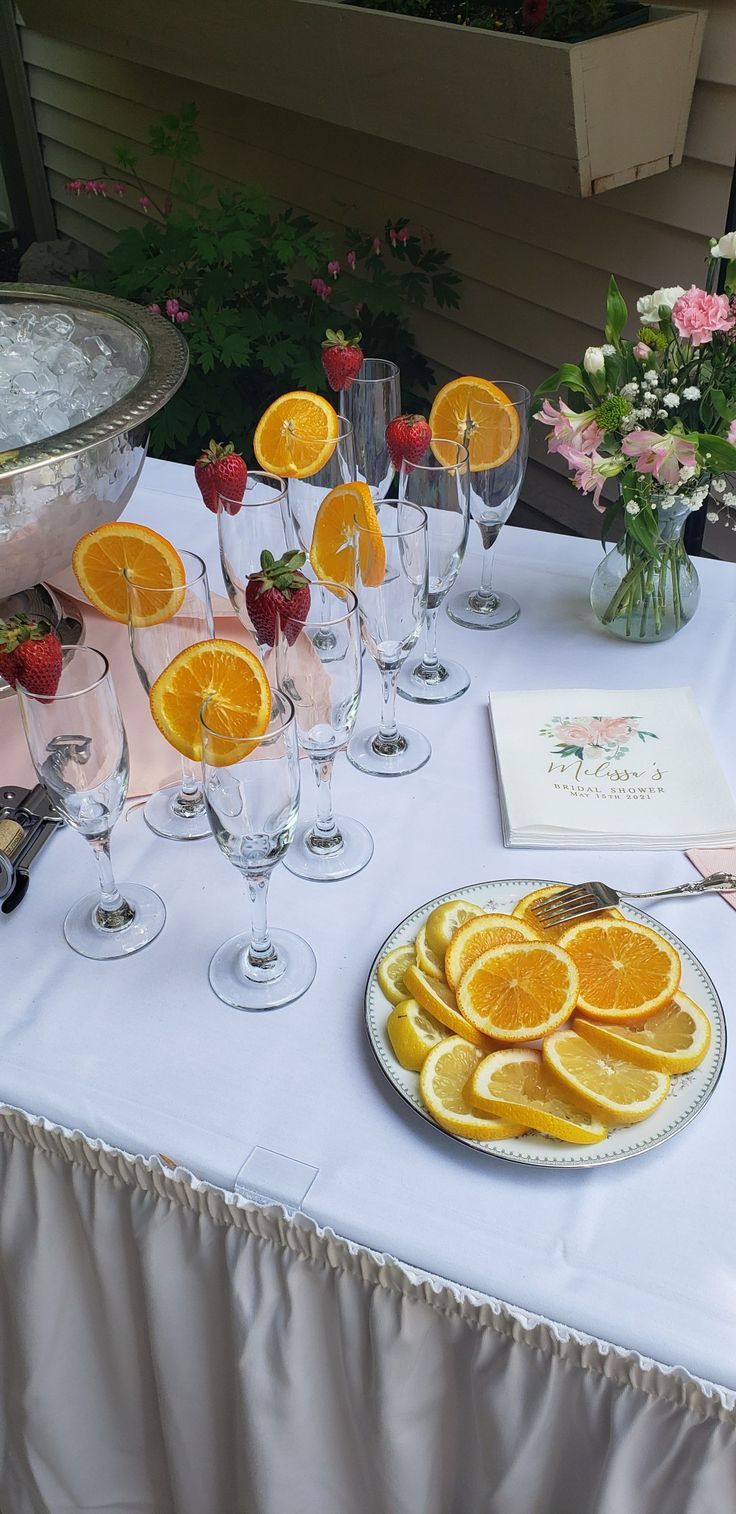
(444, 921)
(442, 1082)
(440, 1002)
(390, 973)
(674, 1039)
(477, 936)
(515, 1084)
(612, 1087)
(427, 959)
(412, 1033)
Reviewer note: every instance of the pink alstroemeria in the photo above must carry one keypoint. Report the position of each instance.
(587, 476)
(570, 428)
(662, 456)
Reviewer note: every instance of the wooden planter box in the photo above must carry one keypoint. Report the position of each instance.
(578, 117)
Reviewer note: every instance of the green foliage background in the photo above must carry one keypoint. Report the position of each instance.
(243, 268)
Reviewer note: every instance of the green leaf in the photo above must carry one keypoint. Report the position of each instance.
(567, 376)
(616, 313)
(716, 452)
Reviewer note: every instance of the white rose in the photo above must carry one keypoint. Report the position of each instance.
(594, 360)
(726, 248)
(649, 304)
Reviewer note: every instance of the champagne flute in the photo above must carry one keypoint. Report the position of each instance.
(258, 523)
(251, 790)
(442, 489)
(318, 664)
(372, 400)
(391, 579)
(305, 495)
(493, 494)
(79, 749)
(177, 811)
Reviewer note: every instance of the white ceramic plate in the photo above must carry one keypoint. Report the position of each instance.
(687, 1095)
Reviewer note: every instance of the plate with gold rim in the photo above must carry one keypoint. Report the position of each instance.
(688, 1094)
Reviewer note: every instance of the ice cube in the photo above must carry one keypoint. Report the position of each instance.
(56, 323)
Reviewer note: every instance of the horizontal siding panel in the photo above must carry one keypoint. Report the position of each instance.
(711, 135)
(687, 201)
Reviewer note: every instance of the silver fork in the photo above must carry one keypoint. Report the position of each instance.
(589, 898)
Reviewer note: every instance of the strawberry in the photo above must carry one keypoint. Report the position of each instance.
(408, 438)
(342, 359)
(278, 591)
(221, 470)
(30, 651)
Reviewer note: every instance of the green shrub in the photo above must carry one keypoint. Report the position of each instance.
(254, 288)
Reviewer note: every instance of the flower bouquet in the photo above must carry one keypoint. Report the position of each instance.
(659, 415)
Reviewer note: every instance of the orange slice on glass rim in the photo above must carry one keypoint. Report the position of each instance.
(332, 553)
(296, 435)
(107, 559)
(232, 681)
(476, 412)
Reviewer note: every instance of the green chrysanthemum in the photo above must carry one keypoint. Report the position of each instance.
(612, 412)
(654, 339)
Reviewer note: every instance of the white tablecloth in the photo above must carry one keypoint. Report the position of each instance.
(142, 1054)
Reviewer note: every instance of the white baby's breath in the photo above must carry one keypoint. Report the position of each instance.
(718, 486)
(712, 516)
(629, 391)
(608, 350)
(632, 508)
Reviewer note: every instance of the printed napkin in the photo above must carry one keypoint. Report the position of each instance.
(611, 768)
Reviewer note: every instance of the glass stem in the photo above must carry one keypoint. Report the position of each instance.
(486, 576)
(388, 729)
(430, 660)
(324, 836)
(189, 779)
(261, 952)
(112, 911)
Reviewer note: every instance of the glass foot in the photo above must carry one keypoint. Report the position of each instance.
(365, 753)
(297, 964)
(325, 867)
(162, 817)
(470, 610)
(453, 680)
(102, 942)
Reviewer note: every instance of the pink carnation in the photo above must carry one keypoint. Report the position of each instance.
(732, 433)
(697, 315)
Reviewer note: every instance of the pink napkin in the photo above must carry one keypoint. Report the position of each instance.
(152, 761)
(712, 860)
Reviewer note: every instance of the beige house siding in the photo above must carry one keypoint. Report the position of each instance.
(535, 263)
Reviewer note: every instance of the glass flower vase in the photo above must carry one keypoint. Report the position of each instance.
(643, 597)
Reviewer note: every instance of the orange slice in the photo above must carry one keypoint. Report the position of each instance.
(296, 435)
(234, 682)
(110, 557)
(439, 1001)
(514, 1084)
(519, 992)
(611, 1087)
(673, 1039)
(332, 553)
(524, 911)
(627, 971)
(478, 413)
(479, 935)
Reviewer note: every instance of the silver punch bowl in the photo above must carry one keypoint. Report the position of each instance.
(55, 489)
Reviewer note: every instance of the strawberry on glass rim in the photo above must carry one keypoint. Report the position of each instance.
(342, 359)
(279, 592)
(220, 471)
(408, 437)
(30, 653)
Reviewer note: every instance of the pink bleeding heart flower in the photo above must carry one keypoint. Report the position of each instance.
(171, 307)
(155, 308)
(333, 269)
(351, 259)
(697, 315)
(662, 456)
